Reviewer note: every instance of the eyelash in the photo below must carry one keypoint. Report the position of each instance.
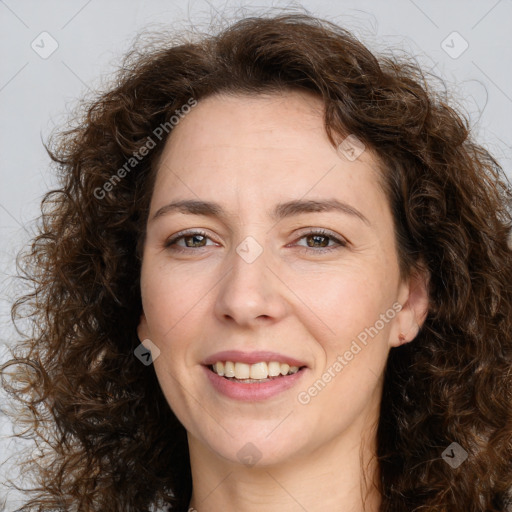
(318, 232)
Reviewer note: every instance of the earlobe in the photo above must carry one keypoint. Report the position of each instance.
(142, 328)
(415, 307)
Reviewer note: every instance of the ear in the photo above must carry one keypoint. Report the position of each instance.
(142, 328)
(413, 297)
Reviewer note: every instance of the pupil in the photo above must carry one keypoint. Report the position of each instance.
(196, 237)
(316, 238)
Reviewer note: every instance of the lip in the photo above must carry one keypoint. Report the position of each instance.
(256, 391)
(251, 358)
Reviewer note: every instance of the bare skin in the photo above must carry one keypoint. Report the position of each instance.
(200, 296)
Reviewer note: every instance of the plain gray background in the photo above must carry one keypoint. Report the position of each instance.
(466, 42)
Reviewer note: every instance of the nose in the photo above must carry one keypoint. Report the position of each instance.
(250, 293)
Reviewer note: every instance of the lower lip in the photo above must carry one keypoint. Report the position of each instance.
(255, 391)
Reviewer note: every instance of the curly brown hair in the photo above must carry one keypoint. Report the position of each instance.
(115, 443)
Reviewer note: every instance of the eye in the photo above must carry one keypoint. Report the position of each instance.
(191, 239)
(318, 241)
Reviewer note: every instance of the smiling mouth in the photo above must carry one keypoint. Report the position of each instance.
(253, 373)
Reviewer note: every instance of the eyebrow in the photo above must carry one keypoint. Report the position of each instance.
(279, 212)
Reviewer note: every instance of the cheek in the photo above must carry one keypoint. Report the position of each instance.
(344, 301)
(357, 309)
(172, 306)
(172, 298)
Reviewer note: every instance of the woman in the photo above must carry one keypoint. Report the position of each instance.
(275, 277)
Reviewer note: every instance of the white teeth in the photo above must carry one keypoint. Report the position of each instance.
(229, 369)
(219, 368)
(274, 369)
(257, 371)
(242, 370)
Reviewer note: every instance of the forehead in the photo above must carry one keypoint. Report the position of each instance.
(249, 150)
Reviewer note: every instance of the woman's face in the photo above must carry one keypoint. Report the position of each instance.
(282, 253)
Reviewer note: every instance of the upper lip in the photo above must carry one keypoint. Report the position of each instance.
(251, 357)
